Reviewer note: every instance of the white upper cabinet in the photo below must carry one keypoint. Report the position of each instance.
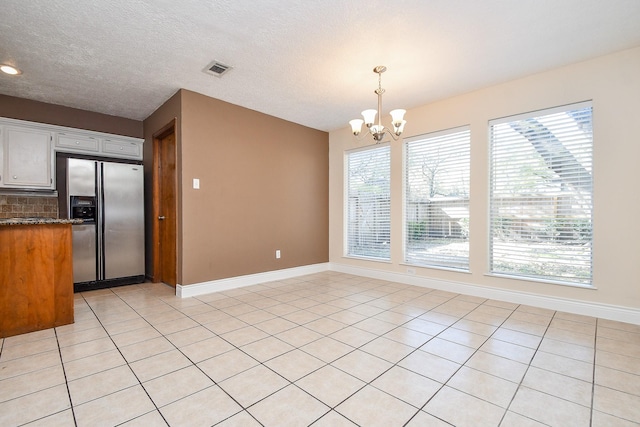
(98, 144)
(72, 142)
(27, 151)
(27, 158)
(122, 148)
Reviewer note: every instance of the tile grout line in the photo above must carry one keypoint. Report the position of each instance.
(593, 377)
(323, 292)
(397, 326)
(369, 383)
(524, 375)
(293, 383)
(259, 363)
(189, 359)
(463, 364)
(356, 348)
(66, 381)
(327, 336)
(123, 358)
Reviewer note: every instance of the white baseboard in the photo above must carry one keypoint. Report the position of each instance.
(586, 308)
(248, 280)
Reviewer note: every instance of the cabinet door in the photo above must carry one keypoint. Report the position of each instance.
(28, 158)
(116, 148)
(73, 142)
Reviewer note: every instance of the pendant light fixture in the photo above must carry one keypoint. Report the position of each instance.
(376, 129)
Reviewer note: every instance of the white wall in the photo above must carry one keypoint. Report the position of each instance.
(612, 82)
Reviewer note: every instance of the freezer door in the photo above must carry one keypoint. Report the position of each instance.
(84, 252)
(81, 181)
(81, 177)
(123, 220)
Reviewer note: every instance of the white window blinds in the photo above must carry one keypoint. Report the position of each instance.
(368, 203)
(541, 195)
(437, 199)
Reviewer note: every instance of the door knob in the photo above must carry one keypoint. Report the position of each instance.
(161, 217)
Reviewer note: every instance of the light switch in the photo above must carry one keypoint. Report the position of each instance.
(196, 183)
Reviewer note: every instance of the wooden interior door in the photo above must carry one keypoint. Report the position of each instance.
(165, 207)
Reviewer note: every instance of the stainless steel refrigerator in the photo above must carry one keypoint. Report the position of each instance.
(108, 248)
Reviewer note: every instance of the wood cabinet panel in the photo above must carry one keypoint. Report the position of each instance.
(36, 279)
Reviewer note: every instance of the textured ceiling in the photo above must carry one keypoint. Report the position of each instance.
(309, 62)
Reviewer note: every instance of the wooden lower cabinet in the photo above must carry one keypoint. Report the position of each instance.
(36, 277)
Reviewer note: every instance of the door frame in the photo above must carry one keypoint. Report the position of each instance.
(167, 129)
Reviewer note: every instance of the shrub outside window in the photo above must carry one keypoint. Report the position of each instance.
(436, 202)
(369, 203)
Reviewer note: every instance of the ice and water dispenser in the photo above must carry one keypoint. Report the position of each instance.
(83, 207)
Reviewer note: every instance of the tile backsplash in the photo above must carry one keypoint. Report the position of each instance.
(24, 206)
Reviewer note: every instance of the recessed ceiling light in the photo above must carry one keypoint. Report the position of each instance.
(8, 69)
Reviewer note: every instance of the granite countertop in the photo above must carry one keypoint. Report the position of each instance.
(37, 221)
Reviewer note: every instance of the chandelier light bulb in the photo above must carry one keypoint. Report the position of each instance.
(397, 116)
(369, 117)
(356, 126)
(399, 128)
(377, 129)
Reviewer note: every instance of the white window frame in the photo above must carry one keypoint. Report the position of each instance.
(455, 208)
(382, 246)
(532, 240)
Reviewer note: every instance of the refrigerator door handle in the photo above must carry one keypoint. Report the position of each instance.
(101, 220)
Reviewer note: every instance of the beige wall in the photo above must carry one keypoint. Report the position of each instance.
(40, 112)
(613, 83)
(264, 182)
(263, 187)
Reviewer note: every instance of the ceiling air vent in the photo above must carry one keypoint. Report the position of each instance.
(217, 69)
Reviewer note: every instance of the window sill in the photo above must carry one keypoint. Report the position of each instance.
(437, 267)
(364, 258)
(546, 282)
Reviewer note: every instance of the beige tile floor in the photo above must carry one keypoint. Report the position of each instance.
(327, 349)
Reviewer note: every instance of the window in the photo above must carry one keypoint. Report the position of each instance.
(437, 199)
(541, 195)
(368, 203)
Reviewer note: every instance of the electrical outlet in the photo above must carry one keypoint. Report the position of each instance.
(411, 270)
(278, 254)
(196, 183)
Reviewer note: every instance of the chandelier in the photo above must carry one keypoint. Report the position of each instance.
(377, 130)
